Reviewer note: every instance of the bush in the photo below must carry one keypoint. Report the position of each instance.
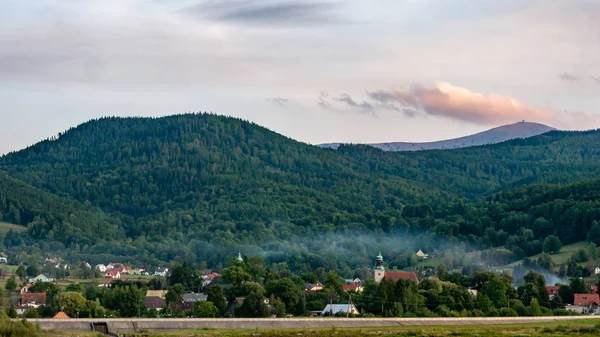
(20, 328)
(547, 312)
(477, 313)
(564, 312)
(508, 312)
(493, 313)
(31, 313)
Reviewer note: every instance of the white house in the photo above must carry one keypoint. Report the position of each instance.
(44, 277)
(113, 273)
(597, 271)
(3, 260)
(101, 268)
(161, 271)
(585, 304)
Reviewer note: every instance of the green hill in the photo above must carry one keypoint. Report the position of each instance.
(198, 186)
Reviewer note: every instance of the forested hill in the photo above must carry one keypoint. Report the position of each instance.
(198, 186)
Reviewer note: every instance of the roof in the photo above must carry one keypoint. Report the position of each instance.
(156, 293)
(348, 287)
(161, 269)
(154, 302)
(335, 308)
(38, 298)
(401, 275)
(61, 315)
(587, 300)
(113, 272)
(552, 289)
(194, 297)
(211, 276)
(594, 289)
(48, 275)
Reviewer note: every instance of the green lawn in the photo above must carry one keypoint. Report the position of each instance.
(563, 256)
(5, 227)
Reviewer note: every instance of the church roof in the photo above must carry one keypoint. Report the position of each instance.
(401, 275)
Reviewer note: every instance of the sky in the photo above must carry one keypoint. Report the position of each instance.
(318, 71)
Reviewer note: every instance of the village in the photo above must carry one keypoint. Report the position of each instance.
(247, 288)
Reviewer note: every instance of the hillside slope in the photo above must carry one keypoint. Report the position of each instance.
(198, 186)
(492, 136)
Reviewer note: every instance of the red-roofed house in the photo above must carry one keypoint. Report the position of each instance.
(380, 273)
(586, 304)
(355, 287)
(113, 273)
(552, 290)
(33, 300)
(594, 289)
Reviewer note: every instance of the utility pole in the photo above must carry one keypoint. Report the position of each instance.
(331, 307)
(349, 305)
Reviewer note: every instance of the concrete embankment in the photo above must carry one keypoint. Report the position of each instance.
(173, 324)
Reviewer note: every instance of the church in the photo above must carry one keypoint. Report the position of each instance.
(380, 273)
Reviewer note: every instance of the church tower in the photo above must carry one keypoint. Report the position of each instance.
(379, 269)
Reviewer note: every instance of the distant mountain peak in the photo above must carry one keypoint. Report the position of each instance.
(498, 134)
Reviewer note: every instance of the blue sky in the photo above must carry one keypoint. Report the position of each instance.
(318, 71)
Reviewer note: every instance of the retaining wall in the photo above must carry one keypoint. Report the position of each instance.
(173, 324)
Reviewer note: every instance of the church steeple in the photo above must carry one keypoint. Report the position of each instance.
(379, 268)
(240, 258)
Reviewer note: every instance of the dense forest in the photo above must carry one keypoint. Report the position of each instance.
(198, 187)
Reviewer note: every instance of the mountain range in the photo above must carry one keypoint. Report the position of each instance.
(198, 187)
(496, 135)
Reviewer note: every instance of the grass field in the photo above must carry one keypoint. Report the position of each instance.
(565, 328)
(563, 256)
(5, 227)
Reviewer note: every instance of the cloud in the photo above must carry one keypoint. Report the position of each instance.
(267, 12)
(279, 102)
(446, 100)
(345, 103)
(597, 79)
(568, 77)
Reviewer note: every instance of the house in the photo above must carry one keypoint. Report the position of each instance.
(208, 278)
(235, 304)
(112, 273)
(473, 292)
(25, 288)
(106, 283)
(333, 309)
(161, 271)
(594, 289)
(33, 300)
(101, 268)
(43, 277)
(113, 265)
(155, 299)
(313, 286)
(422, 255)
(61, 315)
(585, 304)
(187, 301)
(354, 287)
(552, 290)
(3, 260)
(596, 270)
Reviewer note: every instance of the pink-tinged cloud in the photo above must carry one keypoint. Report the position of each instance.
(447, 100)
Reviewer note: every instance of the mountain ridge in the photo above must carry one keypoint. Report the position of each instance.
(492, 136)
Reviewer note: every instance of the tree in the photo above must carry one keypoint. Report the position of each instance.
(527, 292)
(552, 244)
(71, 303)
(566, 294)
(495, 290)
(155, 284)
(175, 292)
(215, 296)
(594, 233)
(540, 282)
(285, 290)
(205, 309)
(333, 282)
(22, 273)
(254, 306)
(31, 313)
(33, 271)
(11, 284)
(534, 308)
(578, 286)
